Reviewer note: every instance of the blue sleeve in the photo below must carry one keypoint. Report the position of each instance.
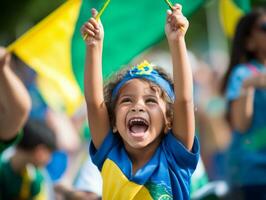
(98, 156)
(235, 82)
(178, 154)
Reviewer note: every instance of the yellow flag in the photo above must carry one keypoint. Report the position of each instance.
(47, 49)
(230, 13)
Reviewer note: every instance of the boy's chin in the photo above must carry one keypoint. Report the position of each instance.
(138, 136)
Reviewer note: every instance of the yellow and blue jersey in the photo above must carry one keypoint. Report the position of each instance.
(165, 176)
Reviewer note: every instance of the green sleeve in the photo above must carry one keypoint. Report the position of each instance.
(5, 144)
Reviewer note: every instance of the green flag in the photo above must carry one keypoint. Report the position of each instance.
(130, 27)
(55, 49)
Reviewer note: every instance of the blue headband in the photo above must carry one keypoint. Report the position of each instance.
(145, 71)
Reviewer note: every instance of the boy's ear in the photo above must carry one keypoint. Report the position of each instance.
(168, 126)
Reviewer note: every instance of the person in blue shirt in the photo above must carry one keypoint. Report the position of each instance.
(142, 124)
(245, 90)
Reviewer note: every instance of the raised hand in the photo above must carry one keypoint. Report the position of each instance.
(92, 30)
(256, 81)
(4, 58)
(176, 23)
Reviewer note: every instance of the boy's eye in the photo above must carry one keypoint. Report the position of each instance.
(151, 100)
(125, 100)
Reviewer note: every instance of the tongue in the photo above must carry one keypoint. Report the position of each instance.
(138, 129)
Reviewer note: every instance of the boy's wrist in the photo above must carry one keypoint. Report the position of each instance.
(178, 39)
(95, 46)
(173, 44)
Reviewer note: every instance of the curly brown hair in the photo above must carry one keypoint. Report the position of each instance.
(117, 77)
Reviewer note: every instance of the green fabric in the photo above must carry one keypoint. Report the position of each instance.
(130, 27)
(85, 131)
(10, 182)
(243, 4)
(5, 144)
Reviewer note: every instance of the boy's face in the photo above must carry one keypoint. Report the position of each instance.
(140, 114)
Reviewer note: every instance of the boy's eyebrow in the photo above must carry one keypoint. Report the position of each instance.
(125, 95)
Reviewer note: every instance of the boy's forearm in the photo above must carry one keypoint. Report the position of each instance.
(184, 119)
(182, 74)
(96, 108)
(93, 81)
(15, 103)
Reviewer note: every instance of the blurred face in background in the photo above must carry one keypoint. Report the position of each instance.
(257, 41)
(41, 155)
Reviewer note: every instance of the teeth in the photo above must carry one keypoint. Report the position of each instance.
(137, 121)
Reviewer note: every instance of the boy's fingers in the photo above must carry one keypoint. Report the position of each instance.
(3, 53)
(89, 26)
(177, 9)
(169, 13)
(94, 12)
(90, 33)
(94, 23)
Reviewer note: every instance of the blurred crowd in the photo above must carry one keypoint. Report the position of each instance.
(44, 153)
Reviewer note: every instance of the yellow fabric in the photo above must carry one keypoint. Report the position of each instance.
(229, 14)
(42, 195)
(25, 186)
(118, 187)
(46, 48)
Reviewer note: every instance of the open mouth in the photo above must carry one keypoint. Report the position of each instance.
(138, 125)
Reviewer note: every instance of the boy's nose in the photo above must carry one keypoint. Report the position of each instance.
(137, 108)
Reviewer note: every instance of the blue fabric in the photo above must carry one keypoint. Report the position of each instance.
(247, 152)
(171, 166)
(145, 71)
(57, 165)
(39, 107)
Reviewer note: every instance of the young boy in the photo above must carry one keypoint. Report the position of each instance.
(20, 176)
(143, 129)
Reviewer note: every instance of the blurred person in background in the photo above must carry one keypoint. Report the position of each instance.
(15, 102)
(68, 139)
(21, 175)
(244, 87)
(86, 182)
(87, 185)
(212, 127)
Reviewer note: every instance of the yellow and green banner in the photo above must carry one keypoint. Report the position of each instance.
(230, 13)
(55, 49)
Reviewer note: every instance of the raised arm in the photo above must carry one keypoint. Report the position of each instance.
(15, 102)
(93, 80)
(184, 120)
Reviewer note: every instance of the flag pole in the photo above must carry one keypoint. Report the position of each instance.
(99, 15)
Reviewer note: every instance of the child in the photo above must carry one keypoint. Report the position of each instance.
(142, 131)
(15, 102)
(20, 176)
(245, 90)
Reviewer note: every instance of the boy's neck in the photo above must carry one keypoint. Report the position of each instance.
(139, 157)
(19, 161)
